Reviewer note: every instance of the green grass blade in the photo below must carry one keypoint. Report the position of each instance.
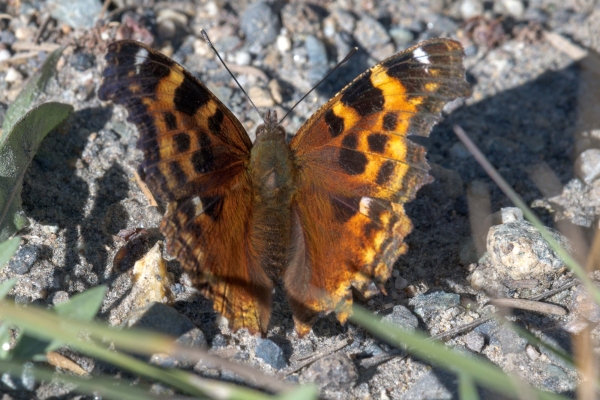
(8, 249)
(466, 388)
(6, 286)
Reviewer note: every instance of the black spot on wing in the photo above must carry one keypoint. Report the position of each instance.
(352, 162)
(350, 141)
(177, 172)
(203, 160)
(182, 142)
(390, 121)
(335, 123)
(189, 96)
(377, 142)
(385, 173)
(215, 121)
(170, 120)
(365, 98)
(344, 208)
(212, 205)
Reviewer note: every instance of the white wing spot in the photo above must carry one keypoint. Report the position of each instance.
(421, 56)
(140, 57)
(364, 204)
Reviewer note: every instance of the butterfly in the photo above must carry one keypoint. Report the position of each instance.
(322, 214)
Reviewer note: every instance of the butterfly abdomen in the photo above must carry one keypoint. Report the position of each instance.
(271, 171)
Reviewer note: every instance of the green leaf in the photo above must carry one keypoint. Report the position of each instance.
(16, 152)
(83, 306)
(28, 347)
(29, 94)
(8, 249)
(6, 286)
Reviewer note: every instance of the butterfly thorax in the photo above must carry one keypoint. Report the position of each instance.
(271, 171)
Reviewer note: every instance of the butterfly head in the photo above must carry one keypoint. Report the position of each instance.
(271, 128)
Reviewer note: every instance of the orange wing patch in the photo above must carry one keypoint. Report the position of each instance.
(356, 168)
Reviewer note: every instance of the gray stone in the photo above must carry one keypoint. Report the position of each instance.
(77, 14)
(514, 8)
(194, 338)
(428, 305)
(518, 250)
(219, 341)
(585, 305)
(161, 318)
(260, 24)
(435, 384)
(373, 37)
(508, 340)
(587, 165)
(402, 317)
(25, 382)
(557, 380)
(471, 8)
(475, 341)
(317, 55)
(332, 373)
(24, 259)
(271, 353)
(401, 36)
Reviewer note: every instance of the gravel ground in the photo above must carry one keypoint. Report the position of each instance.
(534, 112)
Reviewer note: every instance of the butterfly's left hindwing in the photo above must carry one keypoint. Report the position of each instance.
(356, 168)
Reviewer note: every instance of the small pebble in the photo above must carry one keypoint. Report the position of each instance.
(4, 54)
(335, 373)
(518, 250)
(514, 8)
(60, 297)
(471, 8)
(275, 89)
(24, 259)
(403, 318)
(532, 353)
(428, 305)
(400, 283)
(77, 14)
(13, 76)
(242, 58)
(401, 36)
(475, 341)
(587, 165)
(261, 97)
(284, 44)
(271, 353)
(160, 318)
(82, 61)
(260, 24)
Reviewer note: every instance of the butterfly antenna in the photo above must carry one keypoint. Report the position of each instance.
(350, 54)
(207, 40)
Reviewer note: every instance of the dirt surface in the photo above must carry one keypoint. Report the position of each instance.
(533, 111)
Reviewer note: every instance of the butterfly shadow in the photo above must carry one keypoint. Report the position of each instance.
(54, 194)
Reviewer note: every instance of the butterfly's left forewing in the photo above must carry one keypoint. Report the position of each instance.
(195, 158)
(355, 169)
